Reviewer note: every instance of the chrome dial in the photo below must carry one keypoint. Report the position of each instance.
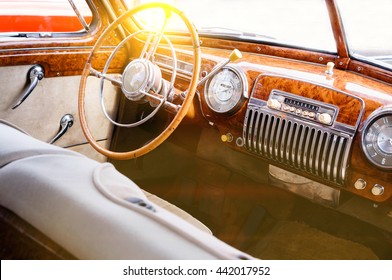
(226, 90)
(377, 140)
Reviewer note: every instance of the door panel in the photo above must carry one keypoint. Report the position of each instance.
(40, 113)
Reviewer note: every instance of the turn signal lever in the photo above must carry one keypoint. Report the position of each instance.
(234, 55)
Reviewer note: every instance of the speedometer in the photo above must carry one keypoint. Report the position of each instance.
(377, 139)
(226, 90)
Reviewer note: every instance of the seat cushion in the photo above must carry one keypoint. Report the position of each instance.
(92, 210)
(177, 211)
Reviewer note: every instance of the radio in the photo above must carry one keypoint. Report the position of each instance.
(305, 108)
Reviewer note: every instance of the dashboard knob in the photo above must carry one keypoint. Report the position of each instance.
(228, 137)
(235, 54)
(360, 184)
(325, 118)
(285, 107)
(330, 66)
(274, 104)
(377, 189)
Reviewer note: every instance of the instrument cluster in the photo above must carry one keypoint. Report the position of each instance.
(227, 90)
(377, 139)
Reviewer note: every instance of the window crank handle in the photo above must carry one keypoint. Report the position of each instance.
(65, 123)
(35, 74)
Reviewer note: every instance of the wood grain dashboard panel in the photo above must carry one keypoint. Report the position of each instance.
(309, 80)
(349, 107)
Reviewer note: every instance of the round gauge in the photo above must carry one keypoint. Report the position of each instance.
(226, 90)
(377, 140)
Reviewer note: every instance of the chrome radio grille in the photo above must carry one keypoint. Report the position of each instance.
(311, 148)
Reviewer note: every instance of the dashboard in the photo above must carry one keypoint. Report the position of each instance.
(328, 125)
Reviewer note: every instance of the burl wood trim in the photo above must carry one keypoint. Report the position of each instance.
(337, 28)
(60, 56)
(308, 80)
(349, 107)
(361, 168)
(61, 63)
(370, 71)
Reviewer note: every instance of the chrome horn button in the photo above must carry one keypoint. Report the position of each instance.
(135, 79)
(140, 76)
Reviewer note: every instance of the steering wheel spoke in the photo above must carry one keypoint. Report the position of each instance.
(115, 81)
(146, 46)
(141, 79)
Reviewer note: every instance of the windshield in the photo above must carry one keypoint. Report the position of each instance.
(368, 29)
(299, 23)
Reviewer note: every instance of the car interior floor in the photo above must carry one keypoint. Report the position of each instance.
(243, 209)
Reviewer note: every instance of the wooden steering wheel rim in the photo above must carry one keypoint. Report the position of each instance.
(182, 111)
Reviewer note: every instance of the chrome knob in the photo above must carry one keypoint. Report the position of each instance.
(360, 184)
(377, 190)
(285, 107)
(274, 104)
(324, 118)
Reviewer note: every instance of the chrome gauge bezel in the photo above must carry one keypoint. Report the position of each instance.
(238, 100)
(371, 150)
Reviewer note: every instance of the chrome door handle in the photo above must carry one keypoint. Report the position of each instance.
(35, 74)
(65, 123)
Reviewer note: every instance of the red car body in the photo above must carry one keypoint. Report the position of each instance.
(41, 16)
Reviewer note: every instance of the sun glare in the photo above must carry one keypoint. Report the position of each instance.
(158, 18)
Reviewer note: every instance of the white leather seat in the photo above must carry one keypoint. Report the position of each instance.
(92, 210)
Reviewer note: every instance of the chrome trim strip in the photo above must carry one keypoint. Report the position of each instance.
(250, 129)
(324, 155)
(282, 144)
(312, 158)
(261, 133)
(294, 146)
(318, 153)
(289, 142)
(306, 161)
(339, 155)
(275, 122)
(300, 153)
(332, 155)
(345, 158)
(278, 138)
(245, 131)
(266, 134)
(257, 131)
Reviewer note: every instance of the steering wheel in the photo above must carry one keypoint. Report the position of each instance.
(141, 80)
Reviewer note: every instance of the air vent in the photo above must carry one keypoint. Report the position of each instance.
(304, 146)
